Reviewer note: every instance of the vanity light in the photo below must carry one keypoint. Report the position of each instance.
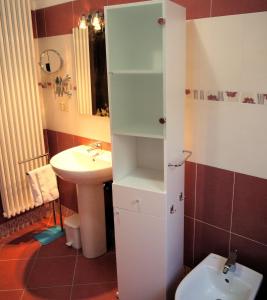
(95, 20)
(83, 22)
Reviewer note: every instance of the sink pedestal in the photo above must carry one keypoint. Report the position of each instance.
(92, 219)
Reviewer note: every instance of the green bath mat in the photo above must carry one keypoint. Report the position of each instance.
(49, 235)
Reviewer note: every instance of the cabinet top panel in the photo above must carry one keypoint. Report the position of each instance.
(132, 4)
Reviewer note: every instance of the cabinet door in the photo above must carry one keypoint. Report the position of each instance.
(140, 256)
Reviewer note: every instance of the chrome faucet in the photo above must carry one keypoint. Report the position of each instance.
(230, 263)
(94, 146)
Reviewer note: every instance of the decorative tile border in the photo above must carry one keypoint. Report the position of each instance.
(227, 96)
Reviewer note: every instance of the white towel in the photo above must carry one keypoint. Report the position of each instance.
(43, 183)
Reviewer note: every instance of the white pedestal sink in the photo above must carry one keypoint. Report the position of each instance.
(88, 169)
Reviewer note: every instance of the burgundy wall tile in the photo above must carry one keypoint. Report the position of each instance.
(196, 9)
(59, 19)
(250, 207)
(40, 23)
(250, 254)
(34, 24)
(230, 7)
(52, 142)
(209, 239)
(78, 140)
(46, 140)
(190, 180)
(81, 7)
(113, 2)
(188, 241)
(106, 146)
(65, 141)
(58, 292)
(2, 218)
(214, 196)
(68, 195)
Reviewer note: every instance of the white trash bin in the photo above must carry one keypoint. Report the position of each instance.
(72, 229)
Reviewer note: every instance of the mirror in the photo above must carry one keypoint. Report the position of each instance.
(50, 61)
(98, 68)
(91, 71)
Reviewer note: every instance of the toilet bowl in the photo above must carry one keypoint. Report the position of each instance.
(208, 282)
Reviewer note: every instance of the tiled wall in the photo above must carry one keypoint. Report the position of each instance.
(59, 19)
(57, 142)
(225, 210)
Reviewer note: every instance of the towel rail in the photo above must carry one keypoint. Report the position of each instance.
(179, 164)
(33, 158)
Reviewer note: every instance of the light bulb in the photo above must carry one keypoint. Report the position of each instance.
(96, 22)
(83, 22)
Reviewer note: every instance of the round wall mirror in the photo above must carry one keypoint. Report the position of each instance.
(50, 61)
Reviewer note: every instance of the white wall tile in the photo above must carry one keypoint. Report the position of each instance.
(228, 53)
(68, 121)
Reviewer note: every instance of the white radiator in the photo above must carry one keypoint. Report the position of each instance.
(82, 66)
(21, 133)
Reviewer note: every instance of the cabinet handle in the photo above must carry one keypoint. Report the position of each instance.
(161, 21)
(162, 120)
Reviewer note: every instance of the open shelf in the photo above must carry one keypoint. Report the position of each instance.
(144, 179)
(137, 104)
(129, 47)
(133, 130)
(138, 162)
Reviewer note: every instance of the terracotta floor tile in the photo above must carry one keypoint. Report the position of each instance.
(102, 291)
(10, 295)
(97, 270)
(14, 273)
(57, 248)
(23, 247)
(55, 293)
(52, 271)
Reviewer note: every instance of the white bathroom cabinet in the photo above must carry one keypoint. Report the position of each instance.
(146, 78)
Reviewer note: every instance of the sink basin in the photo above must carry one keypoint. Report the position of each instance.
(88, 169)
(207, 282)
(80, 166)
